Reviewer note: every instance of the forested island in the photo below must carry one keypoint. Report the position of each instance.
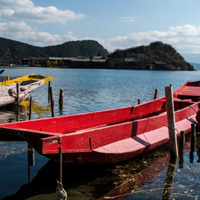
(91, 54)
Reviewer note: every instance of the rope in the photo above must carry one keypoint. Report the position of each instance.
(160, 124)
(167, 125)
(146, 124)
(193, 108)
(163, 124)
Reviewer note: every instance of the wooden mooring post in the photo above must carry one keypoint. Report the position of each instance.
(155, 94)
(60, 162)
(61, 99)
(193, 142)
(193, 138)
(52, 101)
(182, 141)
(138, 101)
(171, 121)
(18, 89)
(30, 109)
(181, 148)
(49, 85)
(31, 151)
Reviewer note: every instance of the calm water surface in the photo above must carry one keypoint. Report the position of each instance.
(84, 90)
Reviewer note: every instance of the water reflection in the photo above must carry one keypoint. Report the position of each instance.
(169, 179)
(13, 113)
(94, 182)
(80, 183)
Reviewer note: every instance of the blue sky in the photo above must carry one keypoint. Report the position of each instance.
(115, 24)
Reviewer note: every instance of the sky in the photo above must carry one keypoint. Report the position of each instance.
(115, 24)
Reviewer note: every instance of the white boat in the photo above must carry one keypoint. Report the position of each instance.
(8, 89)
(8, 94)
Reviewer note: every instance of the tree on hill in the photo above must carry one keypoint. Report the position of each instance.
(155, 51)
(12, 51)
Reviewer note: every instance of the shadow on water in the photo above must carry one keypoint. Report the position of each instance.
(153, 176)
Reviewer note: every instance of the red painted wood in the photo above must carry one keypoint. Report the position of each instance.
(106, 136)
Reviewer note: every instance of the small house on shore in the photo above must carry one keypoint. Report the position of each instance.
(131, 63)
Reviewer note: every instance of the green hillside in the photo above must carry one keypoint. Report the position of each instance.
(13, 52)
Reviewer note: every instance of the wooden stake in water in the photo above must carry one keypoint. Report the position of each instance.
(193, 138)
(60, 161)
(138, 101)
(49, 85)
(156, 94)
(52, 102)
(61, 99)
(31, 152)
(17, 89)
(30, 109)
(171, 121)
(182, 141)
(181, 149)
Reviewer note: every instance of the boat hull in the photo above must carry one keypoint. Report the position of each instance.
(123, 149)
(110, 136)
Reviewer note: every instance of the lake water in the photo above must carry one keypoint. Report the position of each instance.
(84, 90)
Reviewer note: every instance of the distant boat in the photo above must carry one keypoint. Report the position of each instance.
(8, 89)
(1, 71)
(109, 136)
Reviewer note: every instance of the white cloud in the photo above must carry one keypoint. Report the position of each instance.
(25, 10)
(22, 32)
(70, 36)
(128, 19)
(185, 39)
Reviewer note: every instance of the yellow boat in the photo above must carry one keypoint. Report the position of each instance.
(30, 77)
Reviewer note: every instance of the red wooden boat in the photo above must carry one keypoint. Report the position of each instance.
(107, 136)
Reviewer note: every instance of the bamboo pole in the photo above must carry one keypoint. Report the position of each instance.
(171, 121)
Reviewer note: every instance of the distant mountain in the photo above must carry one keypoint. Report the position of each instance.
(13, 52)
(196, 66)
(192, 58)
(154, 52)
